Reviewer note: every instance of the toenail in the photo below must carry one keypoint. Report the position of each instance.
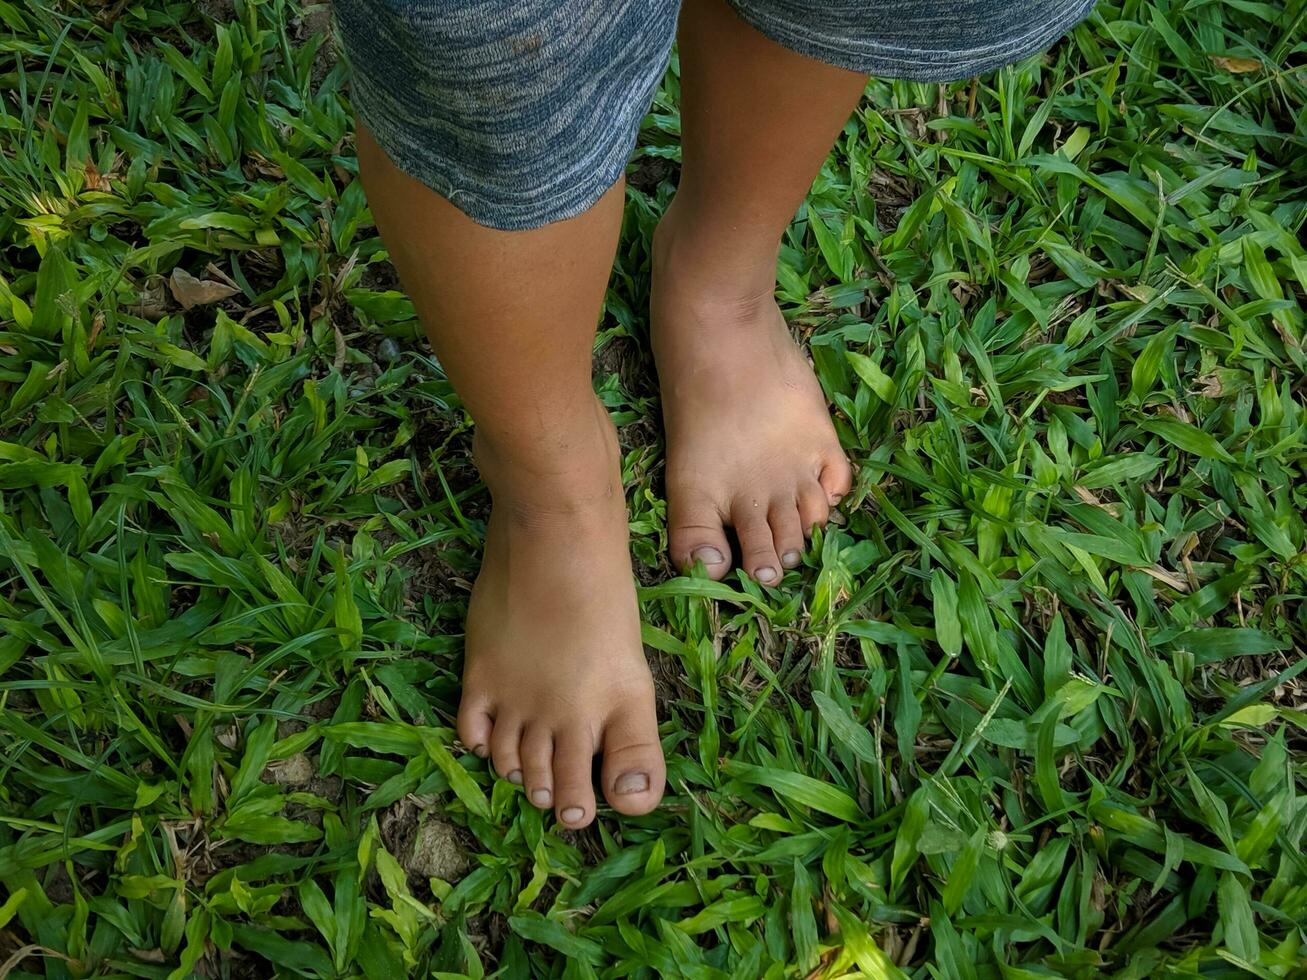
(541, 797)
(515, 777)
(835, 499)
(709, 556)
(791, 558)
(632, 782)
(766, 575)
(572, 814)
(479, 751)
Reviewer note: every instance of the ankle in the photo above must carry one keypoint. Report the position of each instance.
(568, 470)
(690, 247)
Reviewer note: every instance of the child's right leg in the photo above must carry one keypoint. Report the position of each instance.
(555, 668)
(523, 115)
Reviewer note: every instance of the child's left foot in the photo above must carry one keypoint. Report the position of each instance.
(750, 442)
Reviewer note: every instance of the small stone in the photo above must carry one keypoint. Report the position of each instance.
(437, 852)
(296, 771)
(388, 350)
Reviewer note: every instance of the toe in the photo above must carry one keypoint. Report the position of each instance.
(836, 478)
(475, 725)
(538, 766)
(814, 507)
(574, 797)
(757, 549)
(505, 748)
(633, 770)
(786, 531)
(696, 534)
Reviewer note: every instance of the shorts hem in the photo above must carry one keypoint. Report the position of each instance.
(434, 173)
(529, 193)
(906, 64)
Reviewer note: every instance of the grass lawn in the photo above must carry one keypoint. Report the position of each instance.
(1034, 707)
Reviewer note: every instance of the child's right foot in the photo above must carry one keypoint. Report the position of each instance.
(555, 670)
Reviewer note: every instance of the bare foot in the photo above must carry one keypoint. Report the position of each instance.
(555, 671)
(750, 442)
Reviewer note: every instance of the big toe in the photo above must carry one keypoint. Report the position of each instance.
(696, 534)
(633, 770)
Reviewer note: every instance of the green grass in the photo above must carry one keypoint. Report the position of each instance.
(1035, 707)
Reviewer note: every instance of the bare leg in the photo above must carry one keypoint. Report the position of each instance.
(555, 670)
(750, 443)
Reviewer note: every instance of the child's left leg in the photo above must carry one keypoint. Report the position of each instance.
(749, 438)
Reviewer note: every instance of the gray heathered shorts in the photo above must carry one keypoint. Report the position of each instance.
(522, 112)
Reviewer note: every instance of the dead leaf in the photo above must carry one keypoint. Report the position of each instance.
(1169, 578)
(97, 325)
(1140, 293)
(215, 272)
(262, 165)
(152, 303)
(1236, 66)
(192, 292)
(1211, 385)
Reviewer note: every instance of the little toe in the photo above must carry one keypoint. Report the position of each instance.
(633, 768)
(836, 478)
(505, 748)
(787, 531)
(757, 549)
(574, 797)
(538, 766)
(695, 534)
(814, 507)
(475, 725)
